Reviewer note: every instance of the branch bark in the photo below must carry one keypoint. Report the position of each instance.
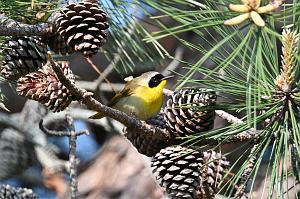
(10, 27)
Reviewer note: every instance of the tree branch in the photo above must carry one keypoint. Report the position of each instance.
(10, 27)
(26, 125)
(72, 156)
(58, 132)
(90, 102)
(228, 117)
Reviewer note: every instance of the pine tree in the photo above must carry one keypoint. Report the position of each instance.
(239, 60)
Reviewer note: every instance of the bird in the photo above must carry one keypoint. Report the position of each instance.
(141, 97)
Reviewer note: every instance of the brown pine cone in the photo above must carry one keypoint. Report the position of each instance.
(183, 112)
(44, 87)
(83, 27)
(22, 55)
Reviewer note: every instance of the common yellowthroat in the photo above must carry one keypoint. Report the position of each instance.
(142, 96)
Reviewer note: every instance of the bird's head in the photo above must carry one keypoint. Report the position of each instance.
(152, 79)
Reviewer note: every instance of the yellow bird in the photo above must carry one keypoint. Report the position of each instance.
(142, 96)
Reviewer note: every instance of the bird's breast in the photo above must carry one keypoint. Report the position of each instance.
(143, 103)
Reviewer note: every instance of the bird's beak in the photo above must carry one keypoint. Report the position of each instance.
(168, 77)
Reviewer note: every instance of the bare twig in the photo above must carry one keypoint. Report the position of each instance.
(59, 133)
(228, 117)
(70, 131)
(72, 157)
(10, 27)
(100, 73)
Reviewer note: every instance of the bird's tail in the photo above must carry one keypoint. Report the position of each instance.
(97, 116)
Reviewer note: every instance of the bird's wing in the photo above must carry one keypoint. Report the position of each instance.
(127, 91)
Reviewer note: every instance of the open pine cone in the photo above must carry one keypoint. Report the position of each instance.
(22, 55)
(183, 113)
(44, 87)
(213, 171)
(147, 145)
(83, 27)
(187, 173)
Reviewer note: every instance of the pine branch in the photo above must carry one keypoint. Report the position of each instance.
(33, 135)
(10, 27)
(245, 136)
(90, 102)
(228, 117)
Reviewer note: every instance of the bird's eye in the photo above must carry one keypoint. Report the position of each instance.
(155, 80)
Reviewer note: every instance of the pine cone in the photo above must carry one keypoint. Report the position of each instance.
(186, 173)
(83, 26)
(147, 145)
(9, 192)
(44, 87)
(16, 154)
(183, 113)
(158, 120)
(22, 55)
(177, 171)
(58, 45)
(213, 170)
